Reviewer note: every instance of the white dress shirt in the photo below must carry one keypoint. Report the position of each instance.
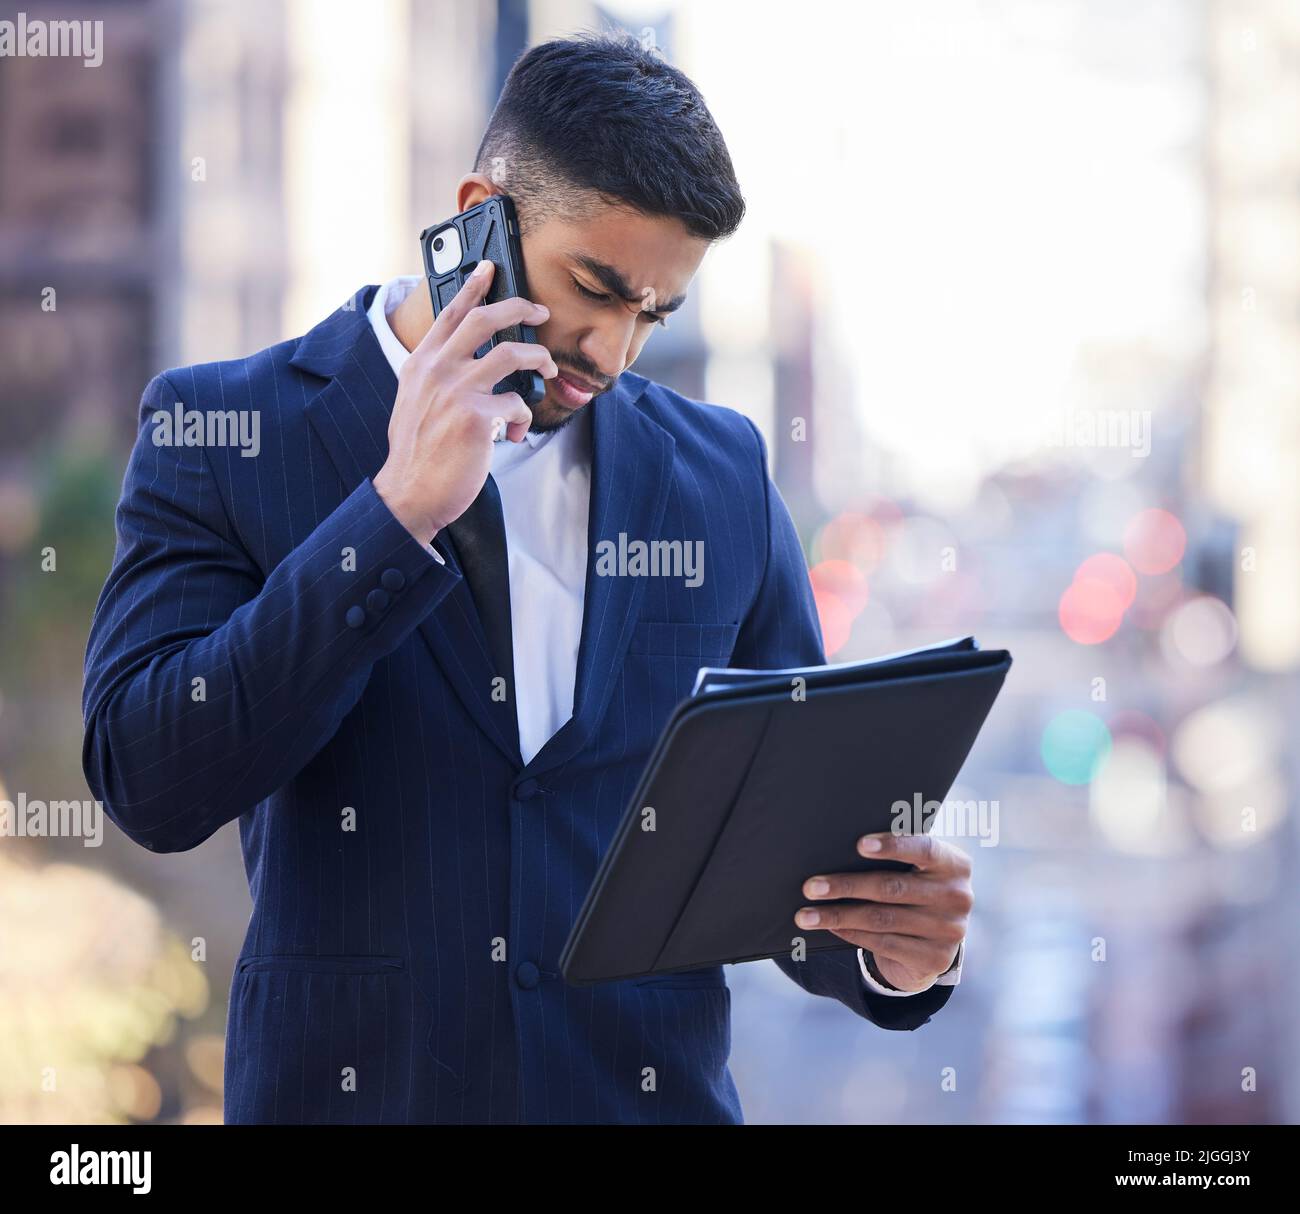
(545, 485)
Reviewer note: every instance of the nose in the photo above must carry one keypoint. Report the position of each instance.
(609, 343)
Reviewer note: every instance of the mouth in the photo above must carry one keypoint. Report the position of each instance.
(573, 391)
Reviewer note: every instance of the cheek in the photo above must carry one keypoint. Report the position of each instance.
(643, 334)
(551, 334)
(543, 292)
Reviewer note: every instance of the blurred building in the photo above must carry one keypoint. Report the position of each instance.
(86, 256)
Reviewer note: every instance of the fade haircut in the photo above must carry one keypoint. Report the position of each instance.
(600, 117)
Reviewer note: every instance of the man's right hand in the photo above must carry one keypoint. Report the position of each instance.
(440, 434)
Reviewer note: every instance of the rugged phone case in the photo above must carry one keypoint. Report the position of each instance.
(754, 792)
(488, 232)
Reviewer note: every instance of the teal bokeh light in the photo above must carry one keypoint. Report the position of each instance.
(1074, 746)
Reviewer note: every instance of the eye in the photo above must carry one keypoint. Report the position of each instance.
(586, 294)
(598, 297)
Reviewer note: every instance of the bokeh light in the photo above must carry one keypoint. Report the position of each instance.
(842, 579)
(1090, 611)
(836, 620)
(856, 538)
(1093, 605)
(1201, 632)
(1154, 541)
(1129, 801)
(1129, 722)
(91, 981)
(1074, 745)
(1114, 571)
(1224, 744)
(1244, 815)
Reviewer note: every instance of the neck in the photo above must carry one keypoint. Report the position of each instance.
(411, 319)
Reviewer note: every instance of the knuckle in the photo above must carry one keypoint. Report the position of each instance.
(476, 322)
(503, 312)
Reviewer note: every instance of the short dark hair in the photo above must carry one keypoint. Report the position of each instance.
(601, 113)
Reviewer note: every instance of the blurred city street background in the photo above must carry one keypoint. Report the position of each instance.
(1017, 307)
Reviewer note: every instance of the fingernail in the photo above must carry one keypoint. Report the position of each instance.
(482, 268)
(808, 918)
(870, 844)
(818, 886)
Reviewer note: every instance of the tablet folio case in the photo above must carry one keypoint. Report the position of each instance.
(754, 790)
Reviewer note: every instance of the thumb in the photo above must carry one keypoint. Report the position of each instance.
(511, 415)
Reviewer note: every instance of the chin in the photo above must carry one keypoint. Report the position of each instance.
(548, 417)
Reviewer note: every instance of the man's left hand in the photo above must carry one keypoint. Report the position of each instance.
(912, 923)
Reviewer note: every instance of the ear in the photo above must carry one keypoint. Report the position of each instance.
(472, 189)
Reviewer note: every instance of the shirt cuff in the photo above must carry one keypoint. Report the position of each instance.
(950, 977)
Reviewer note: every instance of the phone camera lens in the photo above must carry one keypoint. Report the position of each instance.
(438, 244)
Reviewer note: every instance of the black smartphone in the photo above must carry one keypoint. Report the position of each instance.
(487, 232)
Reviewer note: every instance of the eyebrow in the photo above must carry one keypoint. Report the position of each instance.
(613, 281)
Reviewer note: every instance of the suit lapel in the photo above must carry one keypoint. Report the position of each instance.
(350, 416)
(632, 459)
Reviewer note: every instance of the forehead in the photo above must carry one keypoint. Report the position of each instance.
(647, 250)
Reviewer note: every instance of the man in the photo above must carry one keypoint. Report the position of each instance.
(397, 672)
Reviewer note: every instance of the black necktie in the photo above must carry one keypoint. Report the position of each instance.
(480, 538)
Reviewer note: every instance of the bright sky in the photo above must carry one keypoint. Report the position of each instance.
(982, 201)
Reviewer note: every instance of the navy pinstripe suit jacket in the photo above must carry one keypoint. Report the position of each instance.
(273, 646)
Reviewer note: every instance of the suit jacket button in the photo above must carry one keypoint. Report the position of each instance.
(527, 789)
(392, 579)
(527, 975)
(355, 617)
(377, 600)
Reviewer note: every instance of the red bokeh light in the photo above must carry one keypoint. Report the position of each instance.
(854, 538)
(1114, 571)
(836, 620)
(1154, 541)
(844, 580)
(1090, 610)
(1129, 723)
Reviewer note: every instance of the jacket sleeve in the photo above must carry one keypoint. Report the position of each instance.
(783, 629)
(209, 683)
